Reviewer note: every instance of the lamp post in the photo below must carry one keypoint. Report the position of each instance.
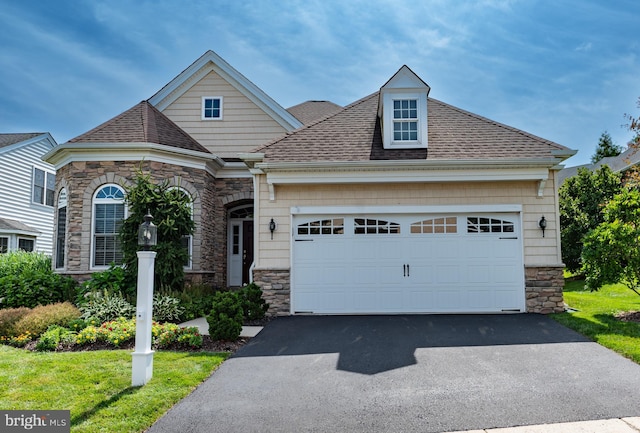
(142, 362)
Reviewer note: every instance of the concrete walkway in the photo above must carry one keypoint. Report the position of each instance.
(203, 326)
(624, 425)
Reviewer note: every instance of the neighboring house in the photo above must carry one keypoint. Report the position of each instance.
(621, 163)
(27, 186)
(397, 203)
(400, 203)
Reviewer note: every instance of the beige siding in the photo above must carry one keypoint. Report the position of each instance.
(243, 127)
(537, 250)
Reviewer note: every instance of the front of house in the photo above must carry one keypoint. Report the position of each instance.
(397, 203)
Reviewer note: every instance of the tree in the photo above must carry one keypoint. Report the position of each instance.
(611, 252)
(582, 198)
(605, 148)
(171, 211)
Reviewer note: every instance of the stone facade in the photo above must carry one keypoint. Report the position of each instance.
(543, 288)
(276, 289)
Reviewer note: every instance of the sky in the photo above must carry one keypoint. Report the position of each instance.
(565, 70)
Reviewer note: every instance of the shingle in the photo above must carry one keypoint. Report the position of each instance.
(354, 134)
(8, 139)
(7, 224)
(142, 123)
(310, 111)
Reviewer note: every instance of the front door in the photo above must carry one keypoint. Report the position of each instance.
(240, 246)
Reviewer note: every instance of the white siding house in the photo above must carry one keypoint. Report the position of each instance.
(27, 186)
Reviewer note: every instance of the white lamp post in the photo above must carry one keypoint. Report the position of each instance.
(142, 363)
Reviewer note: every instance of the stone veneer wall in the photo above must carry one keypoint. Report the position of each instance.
(276, 289)
(543, 288)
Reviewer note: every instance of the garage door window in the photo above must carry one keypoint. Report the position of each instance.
(333, 226)
(436, 225)
(373, 226)
(488, 225)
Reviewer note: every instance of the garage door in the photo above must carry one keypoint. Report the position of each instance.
(407, 263)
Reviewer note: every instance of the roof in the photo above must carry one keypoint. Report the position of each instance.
(354, 134)
(9, 139)
(142, 123)
(622, 162)
(9, 225)
(311, 111)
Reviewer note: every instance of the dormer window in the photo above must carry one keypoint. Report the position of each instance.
(212, 108)
(403, 111)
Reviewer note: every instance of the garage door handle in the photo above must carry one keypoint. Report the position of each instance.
(404, 270)
(408, 273)
(304, 240)
(512, 237)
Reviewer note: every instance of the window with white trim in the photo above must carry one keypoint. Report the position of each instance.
(333, 226)
(108, 214)
(212, 107)
(436, 226)
(26, 244)
(44, 184)
(61, 228)
(4, 245)
(488, 225)
(374, 226)
(187, 240)
(405, 120)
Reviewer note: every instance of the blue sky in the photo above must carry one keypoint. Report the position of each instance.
(565, 70)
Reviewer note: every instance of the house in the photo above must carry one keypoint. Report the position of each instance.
(396, 203)
(400, 203)
(621, 163)
(189, 133)
(27, 183)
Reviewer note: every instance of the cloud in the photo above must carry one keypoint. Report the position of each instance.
(586, 46)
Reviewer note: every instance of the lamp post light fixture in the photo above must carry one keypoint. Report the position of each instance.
(142, 362)
(542, 224)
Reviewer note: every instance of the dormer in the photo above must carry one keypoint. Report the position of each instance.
(403, 111)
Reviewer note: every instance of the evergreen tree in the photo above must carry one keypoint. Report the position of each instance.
(605, 148)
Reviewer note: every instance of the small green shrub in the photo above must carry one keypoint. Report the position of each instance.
(40, 318)
(54, 336)
(254, 306)
(8, 319)
(225, 318)
(104, 306)
(111, 280)
(166, 308)
(196, 300)
(170, 335)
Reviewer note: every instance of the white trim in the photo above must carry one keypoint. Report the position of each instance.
(205, 98)
(42, 137)
(92, 265)
(388, 121)
(19, 238)
(406, 210)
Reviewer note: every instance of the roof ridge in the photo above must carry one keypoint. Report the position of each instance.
(103, 125)
(499, 124)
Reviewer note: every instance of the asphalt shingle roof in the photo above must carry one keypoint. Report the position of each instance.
(354, 134)
(142, 123)
(9, 139)
(311, 111)
(7, 224)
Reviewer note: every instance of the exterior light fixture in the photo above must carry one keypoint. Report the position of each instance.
(542, 224)
(147, 233)
(272, 227)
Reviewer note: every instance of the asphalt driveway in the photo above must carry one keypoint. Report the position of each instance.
(417, 373)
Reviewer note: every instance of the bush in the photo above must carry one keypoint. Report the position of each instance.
(195, 300)
(254, 306)
(110, 281)
(225, 318)
(38, 320)
(166, 308)
(103, 307)
(170, 335)
(115, 332)
(54, 336)
(8, 319)
(27, 280)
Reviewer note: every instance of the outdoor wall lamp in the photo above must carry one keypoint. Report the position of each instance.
(272, 227)
(542, 224)
(147, 233)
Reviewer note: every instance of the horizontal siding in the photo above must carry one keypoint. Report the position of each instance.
(15, 191)
(538, 250)
(244, 125)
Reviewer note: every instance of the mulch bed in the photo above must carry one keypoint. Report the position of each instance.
(628, 316)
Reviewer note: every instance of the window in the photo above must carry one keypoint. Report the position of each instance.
(373, 226)
(488, 225)
(187, 240)
(44, 184)
(61, 228)
(322, 227)
(4, 245)
(25, 244)
(436, 225)
(405, 120)
(108, 214)
(211, 107)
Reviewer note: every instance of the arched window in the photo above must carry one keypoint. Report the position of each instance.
(187, 240)
(108, 213)
(61, 228)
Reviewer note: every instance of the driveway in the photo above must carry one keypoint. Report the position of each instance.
(417, 373)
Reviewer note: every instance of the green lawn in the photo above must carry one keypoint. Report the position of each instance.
(96, 386)
(595, 316)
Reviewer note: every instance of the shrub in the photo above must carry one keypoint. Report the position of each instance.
(17, 341)
(104, 306)
(225, 318)
(254, 306)
(170, 335)
(196, 300)
(166, 308)
(27, 280)
(54, 336)
(8, 319)
(111, 280)
(40, 318)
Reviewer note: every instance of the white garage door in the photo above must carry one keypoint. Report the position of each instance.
(407, 263)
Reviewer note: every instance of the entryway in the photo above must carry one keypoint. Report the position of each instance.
(240, 245)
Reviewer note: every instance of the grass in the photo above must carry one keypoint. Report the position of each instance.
(96, 386)
(595, 316)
